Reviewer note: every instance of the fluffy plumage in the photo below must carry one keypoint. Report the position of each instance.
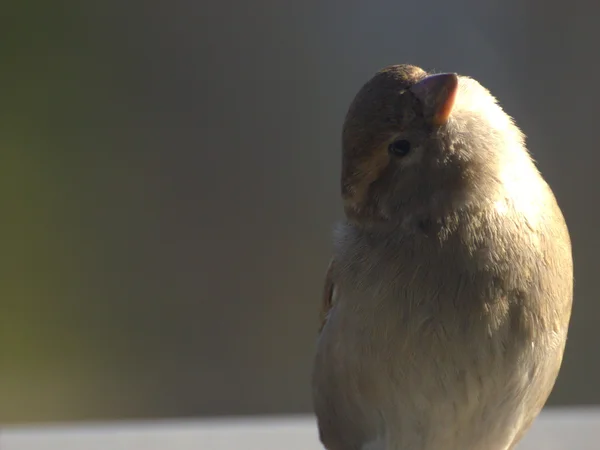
(448, 298)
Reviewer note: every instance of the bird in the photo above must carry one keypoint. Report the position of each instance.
(448, 297)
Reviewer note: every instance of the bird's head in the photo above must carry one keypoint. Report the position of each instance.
(419, 144)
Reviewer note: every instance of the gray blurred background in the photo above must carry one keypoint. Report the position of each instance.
(169, 179)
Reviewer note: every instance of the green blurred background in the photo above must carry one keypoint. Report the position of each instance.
(169, 178)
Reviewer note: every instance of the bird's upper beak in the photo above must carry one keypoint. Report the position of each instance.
(437, 93)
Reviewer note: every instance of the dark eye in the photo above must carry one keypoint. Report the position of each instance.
(400, 147)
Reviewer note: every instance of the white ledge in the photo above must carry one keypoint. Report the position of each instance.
(555, 429)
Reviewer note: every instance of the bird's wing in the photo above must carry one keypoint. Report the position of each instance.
(327, 298)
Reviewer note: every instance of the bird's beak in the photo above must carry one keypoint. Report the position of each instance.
(437, 93)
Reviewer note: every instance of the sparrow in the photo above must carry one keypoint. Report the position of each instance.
(448, 297)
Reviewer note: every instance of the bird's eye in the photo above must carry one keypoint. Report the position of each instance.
(400, 147)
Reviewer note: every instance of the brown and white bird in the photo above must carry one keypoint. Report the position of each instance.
(448, 297)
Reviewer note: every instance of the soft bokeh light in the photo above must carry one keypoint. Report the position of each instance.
(170, 177)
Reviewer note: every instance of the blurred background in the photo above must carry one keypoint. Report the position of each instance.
(170, 176)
